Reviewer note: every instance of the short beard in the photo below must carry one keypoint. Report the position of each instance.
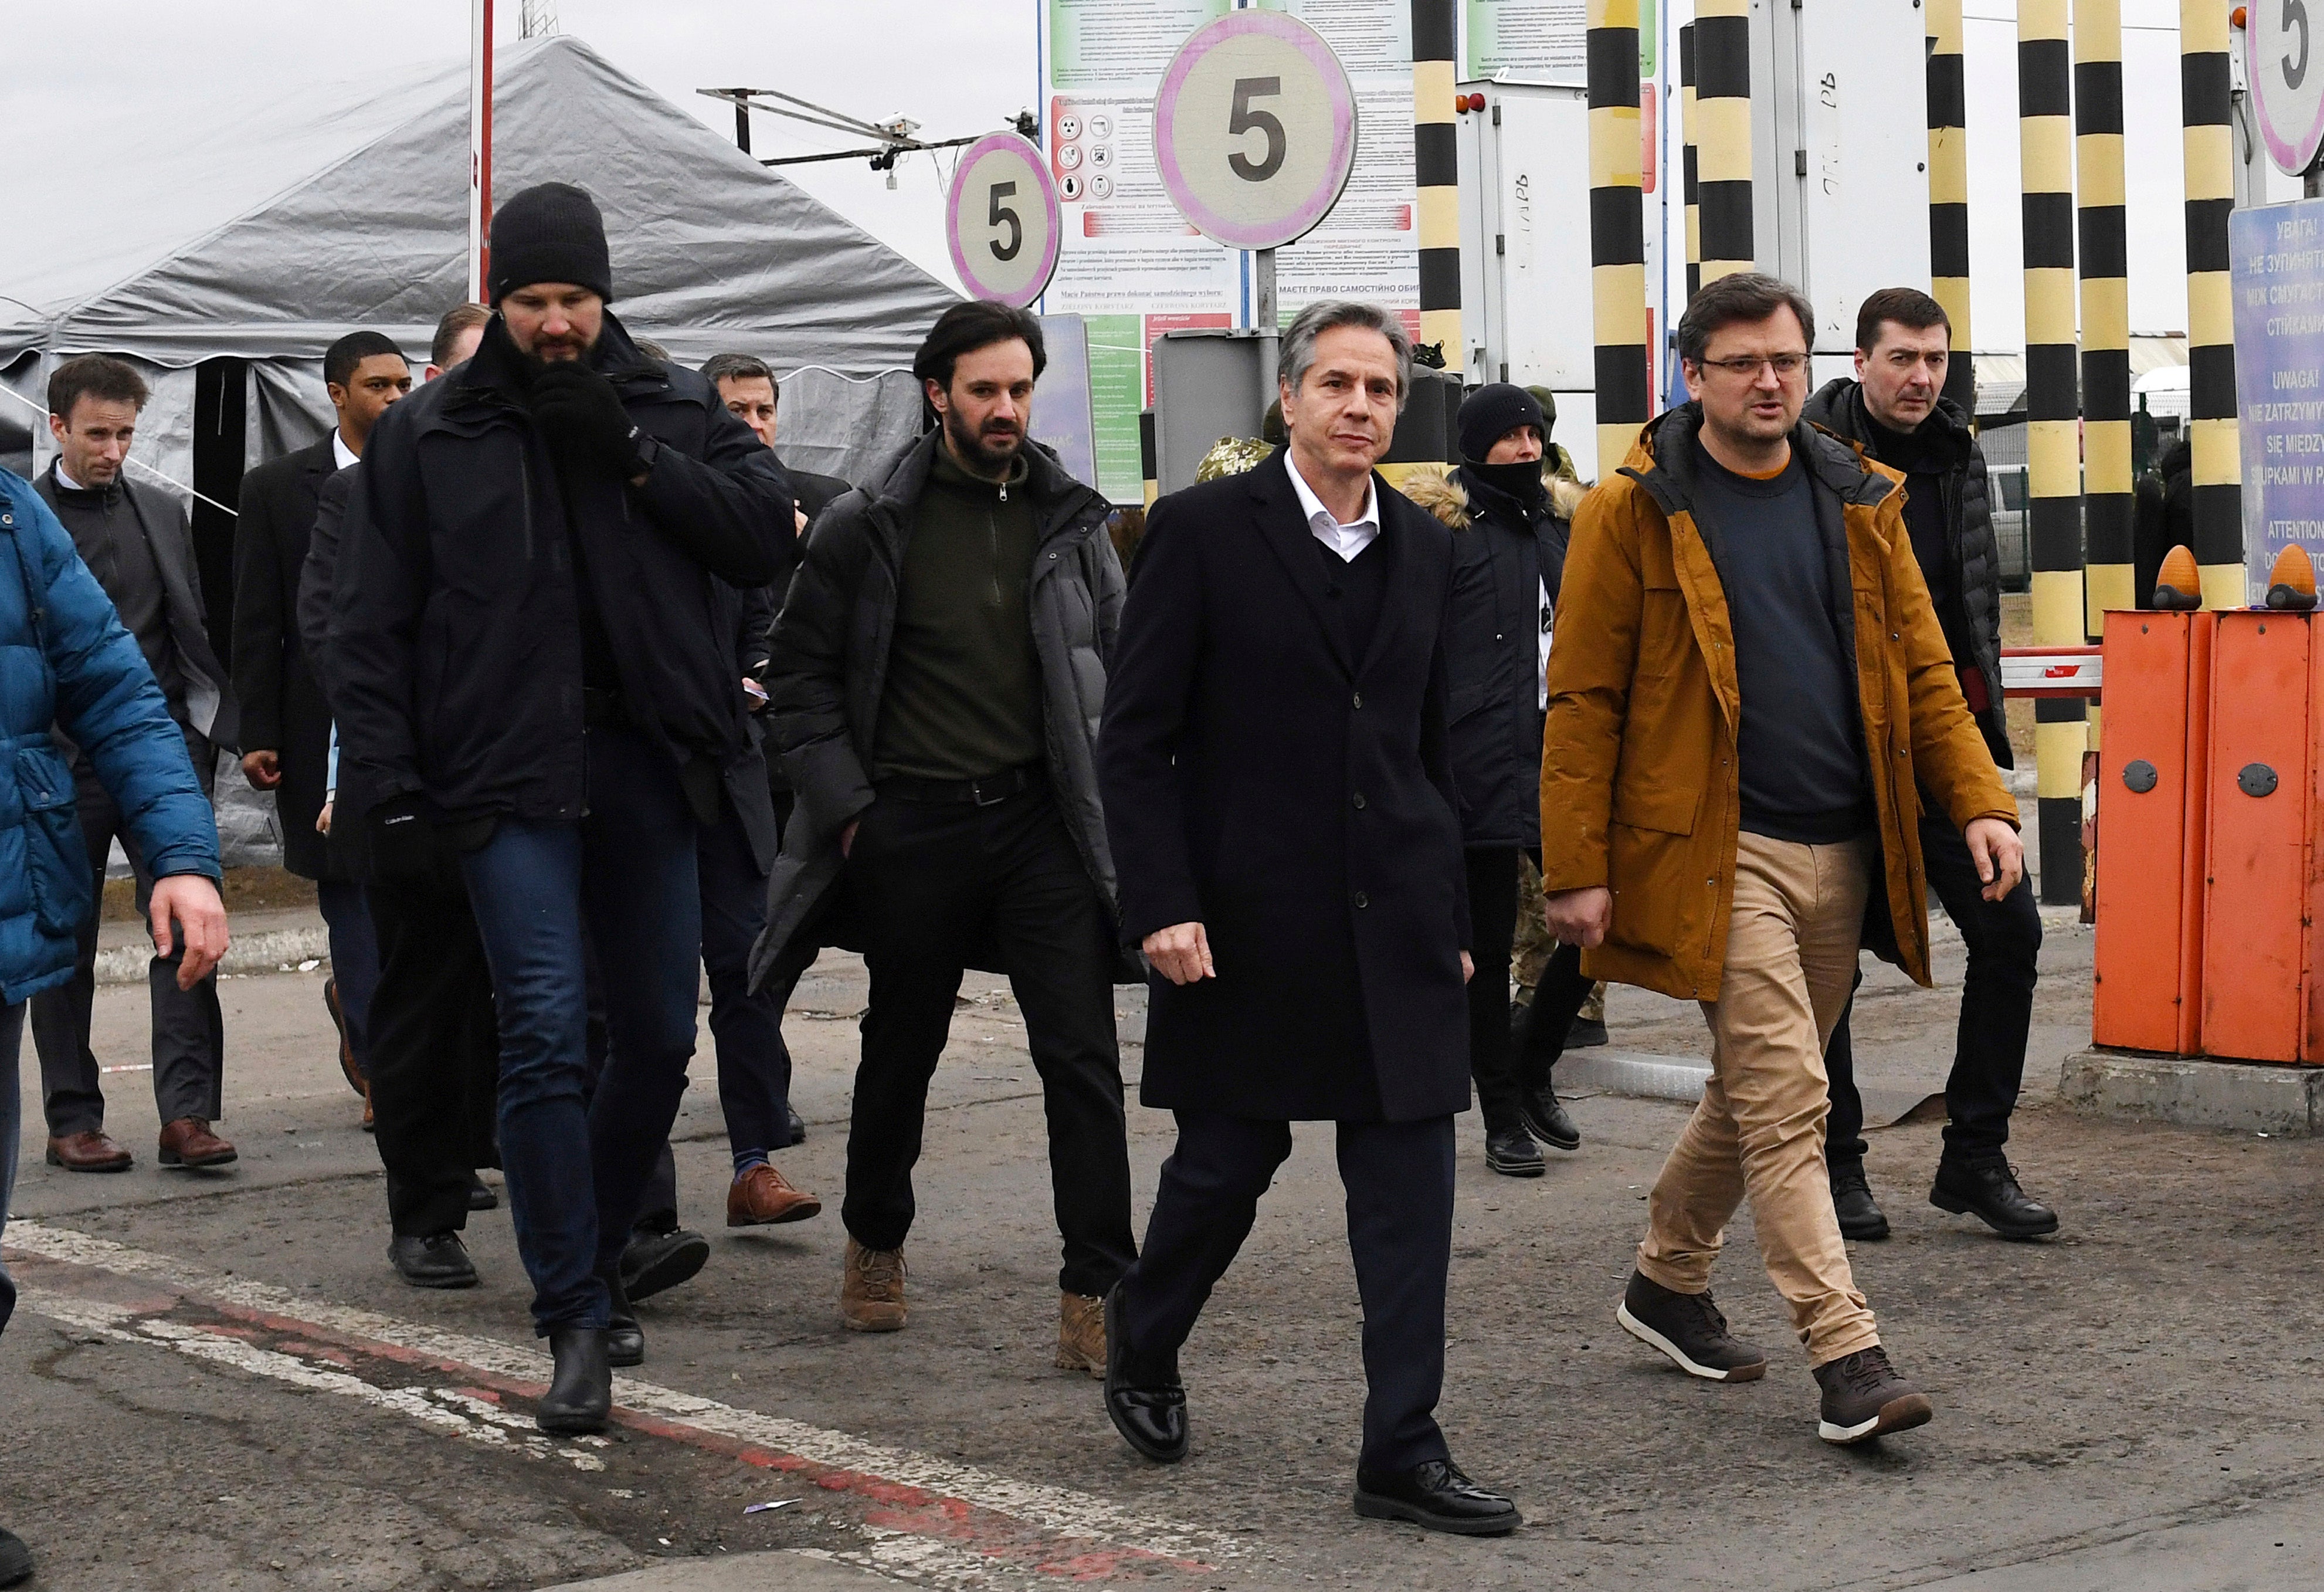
(973, 448)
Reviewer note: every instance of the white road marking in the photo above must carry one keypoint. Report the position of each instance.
(1063, 1511)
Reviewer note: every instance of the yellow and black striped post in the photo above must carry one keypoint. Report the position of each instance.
(2104, 257)
(1722, 105)
(1436, 168)
(1617, 236)
(2052, 443)
(1690, 189)
(1949, 192)
(2210, 307)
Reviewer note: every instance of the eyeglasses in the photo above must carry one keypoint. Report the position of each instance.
(1785, 365)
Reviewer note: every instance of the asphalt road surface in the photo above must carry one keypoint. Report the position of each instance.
(215, 1380)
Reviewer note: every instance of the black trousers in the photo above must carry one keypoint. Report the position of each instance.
(2004, 939)
(1549, 1016)
(1398, 1178)
(933, 885)
(1493, 931)
(435, 1050)
(188, 1031)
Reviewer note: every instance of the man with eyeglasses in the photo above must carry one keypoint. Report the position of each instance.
(1750, 693)
(1895, 410)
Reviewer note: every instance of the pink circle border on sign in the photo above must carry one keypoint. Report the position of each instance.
(1291, 31)
(2289, 156)
(1050, 208)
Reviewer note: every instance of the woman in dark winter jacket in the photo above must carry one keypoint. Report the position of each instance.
(1508, 556)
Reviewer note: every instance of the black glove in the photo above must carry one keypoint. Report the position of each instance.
(403, 841)
(581, 417)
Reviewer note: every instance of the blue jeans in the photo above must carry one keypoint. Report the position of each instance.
(355, 960)
(12, 1032)
(576, 1168)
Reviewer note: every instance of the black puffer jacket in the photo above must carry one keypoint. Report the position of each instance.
(1838, 407)
(829, 669)
(456, 655)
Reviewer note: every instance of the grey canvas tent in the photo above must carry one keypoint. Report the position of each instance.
(225, 263)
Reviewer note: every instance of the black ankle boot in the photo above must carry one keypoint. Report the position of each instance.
(625, 1340)
(581, 1394)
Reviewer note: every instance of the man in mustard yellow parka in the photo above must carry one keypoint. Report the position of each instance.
(1749, 693)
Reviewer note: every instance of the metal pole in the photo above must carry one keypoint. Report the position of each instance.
(2053, 424)
(2105, 254)
(1690, 189)
(1268, 318)
(1723, 99)
(1618, 237)
(1949, 193)
(743, 127)
(2208, 145)
(1436, 174)
(480, 148)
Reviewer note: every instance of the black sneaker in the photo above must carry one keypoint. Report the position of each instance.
(1864, 1397)
(1688, 1329)
(1545, 1119)
(1861, 1216)
(1512, 1153)
(652, 1262)
(480, 1194)
(1991, 1194)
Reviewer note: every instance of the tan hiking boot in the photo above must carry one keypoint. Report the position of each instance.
(1080, 1334)
(871, 1290)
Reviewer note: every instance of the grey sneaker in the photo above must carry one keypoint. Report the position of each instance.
(1863, 1397)
(1688, 1329)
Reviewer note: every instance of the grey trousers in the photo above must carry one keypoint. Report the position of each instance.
(189, 1033)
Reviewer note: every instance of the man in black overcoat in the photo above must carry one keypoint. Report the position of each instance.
(1279, 798)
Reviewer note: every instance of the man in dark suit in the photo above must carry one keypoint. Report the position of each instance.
(1278, 792)
(139, 544)
(747, 386)
(286, 724)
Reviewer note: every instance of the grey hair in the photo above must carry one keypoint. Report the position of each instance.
(1746, 296)
(1299, 350)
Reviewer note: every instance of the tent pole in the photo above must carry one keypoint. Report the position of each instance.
(479, 145)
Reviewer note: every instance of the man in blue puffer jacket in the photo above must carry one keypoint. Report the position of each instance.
(66, 660)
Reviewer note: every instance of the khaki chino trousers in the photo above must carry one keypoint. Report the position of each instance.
(1791, 962)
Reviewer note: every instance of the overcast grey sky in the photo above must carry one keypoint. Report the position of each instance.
(87, 83)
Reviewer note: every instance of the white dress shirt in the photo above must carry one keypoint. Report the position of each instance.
(1346, 540)
(342, 456)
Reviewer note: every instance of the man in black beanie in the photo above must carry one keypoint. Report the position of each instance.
(531, 627)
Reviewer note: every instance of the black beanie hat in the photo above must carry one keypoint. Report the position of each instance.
(550, 233)
(1488, 415)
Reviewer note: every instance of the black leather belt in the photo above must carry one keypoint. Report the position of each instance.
(983, 792)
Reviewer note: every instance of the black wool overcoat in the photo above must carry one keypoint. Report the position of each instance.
(1299, 803)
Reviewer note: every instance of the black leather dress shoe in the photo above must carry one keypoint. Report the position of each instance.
(797, 1126)
(1991, 1194)
(655, 1260)
(1435, 1494)
(434, 1260)
(581, 1393)
(1545, 1118)
(1861, 1216)
(1147, 1408)
(1512, 1153)
(15, 1559)
(480, 1194)
(625, 1340)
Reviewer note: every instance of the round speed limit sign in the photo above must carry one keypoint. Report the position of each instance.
(2284, 58)
(1255, 129)
(1002, 220)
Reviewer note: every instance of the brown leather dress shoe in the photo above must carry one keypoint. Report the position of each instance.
(92, 1151)
(1080, 1334)
(189, 1141)
(348, 1067)
(369, 1126)
(763, 1197)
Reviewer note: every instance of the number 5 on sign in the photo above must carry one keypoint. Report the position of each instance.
(1255, 129)
(1002, 220)
(2283, 59)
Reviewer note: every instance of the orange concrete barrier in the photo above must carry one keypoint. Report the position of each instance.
(2150, 883)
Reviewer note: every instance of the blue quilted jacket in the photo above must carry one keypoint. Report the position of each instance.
(66, 660)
